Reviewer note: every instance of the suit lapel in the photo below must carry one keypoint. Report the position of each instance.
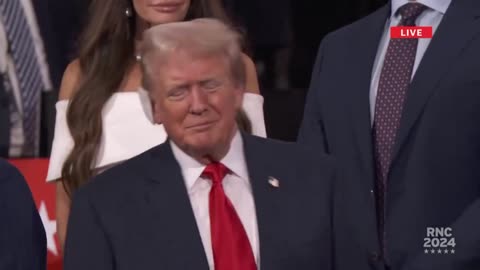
(266, 200)
(459, 26)
(361, 73)
(171, 212)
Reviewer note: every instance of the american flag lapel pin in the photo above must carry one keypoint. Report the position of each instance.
(273, 182)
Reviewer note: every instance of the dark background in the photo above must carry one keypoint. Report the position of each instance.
(282, 37)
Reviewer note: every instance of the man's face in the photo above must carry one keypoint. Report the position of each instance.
(197, 102)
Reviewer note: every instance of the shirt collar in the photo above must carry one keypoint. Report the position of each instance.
(437, 5)
(192, 169)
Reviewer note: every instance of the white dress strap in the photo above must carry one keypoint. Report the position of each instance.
(127, 131)
(62, 142)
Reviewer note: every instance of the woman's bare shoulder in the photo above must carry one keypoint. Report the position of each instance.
(70, 80)
(251, 75)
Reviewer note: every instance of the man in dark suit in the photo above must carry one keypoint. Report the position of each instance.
(40, 58)
(401, 118)
(211, 196)
(23, 244)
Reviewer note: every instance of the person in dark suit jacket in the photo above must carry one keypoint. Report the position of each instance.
(211, 196)
(413, 165)
(51, 24)
(23, 243)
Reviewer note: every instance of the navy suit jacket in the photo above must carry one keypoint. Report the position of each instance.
(138, 214)
(434, 179)
(22, 237)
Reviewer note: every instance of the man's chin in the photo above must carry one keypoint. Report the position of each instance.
(206, 148)
(201, 144)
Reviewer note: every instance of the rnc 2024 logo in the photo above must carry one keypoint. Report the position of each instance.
(439, 240)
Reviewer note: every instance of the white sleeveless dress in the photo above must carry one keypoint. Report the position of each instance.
(128, 129)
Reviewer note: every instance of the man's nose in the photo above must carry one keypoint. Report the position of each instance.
(199, 101)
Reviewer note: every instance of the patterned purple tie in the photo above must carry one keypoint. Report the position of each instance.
(393, 84)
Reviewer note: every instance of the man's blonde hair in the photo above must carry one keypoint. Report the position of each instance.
(198, 38)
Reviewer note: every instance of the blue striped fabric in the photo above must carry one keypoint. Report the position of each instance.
(27, 68)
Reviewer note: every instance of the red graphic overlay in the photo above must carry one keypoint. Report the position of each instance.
(411, 32)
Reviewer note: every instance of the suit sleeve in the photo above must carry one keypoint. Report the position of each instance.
(22, 239)
(87, 245)
(466, 232)
(311, 129)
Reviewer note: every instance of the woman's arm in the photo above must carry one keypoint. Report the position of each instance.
(63, 201)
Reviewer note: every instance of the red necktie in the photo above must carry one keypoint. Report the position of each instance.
(230, 244)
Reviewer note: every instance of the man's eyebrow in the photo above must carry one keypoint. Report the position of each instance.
(210, 80)
(180, 85)
(207, 80)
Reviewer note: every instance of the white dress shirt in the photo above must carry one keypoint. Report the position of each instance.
(237, 188)
(432, 16)
(7, 68)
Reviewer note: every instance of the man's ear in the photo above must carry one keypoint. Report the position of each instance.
(157, 115)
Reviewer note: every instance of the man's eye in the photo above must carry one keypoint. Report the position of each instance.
(177, 93)
(211, 85)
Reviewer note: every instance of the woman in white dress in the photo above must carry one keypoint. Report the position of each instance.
(103, 115)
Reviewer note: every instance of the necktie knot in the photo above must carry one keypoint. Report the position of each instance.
(410, 13)
(215, 171)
